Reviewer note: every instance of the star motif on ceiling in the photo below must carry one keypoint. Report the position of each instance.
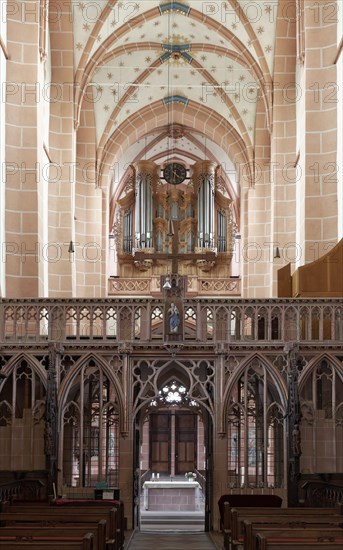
(160, 34)
(242, 78)
(113, 23)
(127, 111)
(211, 8)
(250, 128)
(176, 76)
(100, 89)
(192, 36)
(114, 92)
(109, 76)
(79, 46)
(147, 59)
(268, 9)
(203, 58)
(234, 26)
(106, 108)
(245, 112)
(249, 43)
(268, 48)
(192, 72)
(142, 36)
(136, 69)
(260, 30)
(98, 38)
(206, 37)
(121, 64)
(150, 98)
(251, 90)
(86, 27)
(156, 23)
(159, 71)
(175, 25)
(81, 6)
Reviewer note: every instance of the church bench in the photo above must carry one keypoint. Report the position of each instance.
(86, 506)
(56, 517)
(234, 518)
(48, 543)
(297, 535)
(243, 522)
(226, 502)
(250, 529)
(264, 543)
(65, 531)
(246, 501)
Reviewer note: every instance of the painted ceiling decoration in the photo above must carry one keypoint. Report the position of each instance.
(206, 60)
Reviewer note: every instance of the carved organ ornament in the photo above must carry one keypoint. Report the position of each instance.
(189, 224)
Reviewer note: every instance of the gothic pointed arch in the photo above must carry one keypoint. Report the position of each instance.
(253, 415)
(77, 366)
(89, 419)
(149, 377)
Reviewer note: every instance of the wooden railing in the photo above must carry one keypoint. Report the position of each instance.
(319, 494)
(212, 320)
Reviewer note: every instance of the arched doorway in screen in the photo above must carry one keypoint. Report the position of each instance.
(175, 442)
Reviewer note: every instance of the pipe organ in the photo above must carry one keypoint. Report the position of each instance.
(185, 228)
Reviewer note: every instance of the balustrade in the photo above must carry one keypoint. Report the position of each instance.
(141, 319)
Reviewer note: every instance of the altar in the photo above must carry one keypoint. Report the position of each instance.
(175, 496)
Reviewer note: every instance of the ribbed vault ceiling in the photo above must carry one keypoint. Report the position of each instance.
(134, 55)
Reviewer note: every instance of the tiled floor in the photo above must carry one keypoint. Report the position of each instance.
(170, 541)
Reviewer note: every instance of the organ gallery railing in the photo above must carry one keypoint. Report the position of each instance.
(142, 320)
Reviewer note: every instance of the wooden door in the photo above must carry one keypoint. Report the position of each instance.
(160, 442)
(185, 442)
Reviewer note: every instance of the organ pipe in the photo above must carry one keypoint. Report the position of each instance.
(204, 182)
(145, 172)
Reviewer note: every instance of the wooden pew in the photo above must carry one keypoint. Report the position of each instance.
(244, 524)
(57, 517)
(226, 502)
(65, 531)
(54, 543)
(88, 506)
(239, 516)
(95, 504)
(265, 543)
(289, 534)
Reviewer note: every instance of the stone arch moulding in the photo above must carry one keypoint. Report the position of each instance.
(215, 126)
(101, 363)
(271, 370)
